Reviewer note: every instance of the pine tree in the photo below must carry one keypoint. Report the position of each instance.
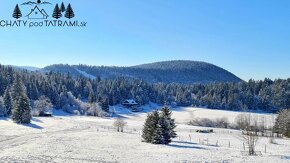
(157, 134)
(105, 104)
(150, 134)
(168, 125)
(3, 111)
(7, 101)
(21, 112)
(91, 97)
(69, 12)
(20, 106)
(56, 12)
(62, 7)
(159, 127)
(18, 88)
(17, 13)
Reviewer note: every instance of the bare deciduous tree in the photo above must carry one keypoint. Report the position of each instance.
(242, 121)
(249, 135)
(120, 124)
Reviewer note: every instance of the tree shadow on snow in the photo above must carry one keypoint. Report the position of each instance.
(31, 125)
(119, 116)
(37, 120)
(61, 113)
(285, 157)
(184, 142)
(184, 145)
(3, 118)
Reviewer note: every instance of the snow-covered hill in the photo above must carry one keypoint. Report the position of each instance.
(179, 71)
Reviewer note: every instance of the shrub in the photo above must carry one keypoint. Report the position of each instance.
(96, 110)
(41, 106)
(206, 122)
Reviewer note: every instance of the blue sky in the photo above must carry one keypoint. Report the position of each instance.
(250, 38)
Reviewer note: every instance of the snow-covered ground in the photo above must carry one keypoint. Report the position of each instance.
(66, 138)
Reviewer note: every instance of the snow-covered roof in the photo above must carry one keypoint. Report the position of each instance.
(130, 102)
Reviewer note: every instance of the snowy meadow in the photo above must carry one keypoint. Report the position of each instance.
(69, 138)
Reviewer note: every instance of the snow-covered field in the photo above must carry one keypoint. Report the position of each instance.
(66, 138)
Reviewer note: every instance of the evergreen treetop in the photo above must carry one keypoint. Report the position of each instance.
(159, 127)
(21, 111)
(7, 101)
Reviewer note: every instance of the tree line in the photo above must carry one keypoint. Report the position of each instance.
(69, 93)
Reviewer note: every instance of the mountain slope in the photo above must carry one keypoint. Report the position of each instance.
(186, 72)
(28, 68)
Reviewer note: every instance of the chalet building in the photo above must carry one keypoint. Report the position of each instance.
(36, 13)
(131, 104)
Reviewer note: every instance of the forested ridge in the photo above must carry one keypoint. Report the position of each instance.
(266, 95)
(179, 71)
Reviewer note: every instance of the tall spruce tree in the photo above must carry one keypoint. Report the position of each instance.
(56, 12)
(69, 12)
(91, 98)
(159, 127)
(167, 125)
(3, 111)
(149, 133)
(157, 137)
(17, 13)
(105, 104)
(21, 108)
(7, 101)
(21, 112)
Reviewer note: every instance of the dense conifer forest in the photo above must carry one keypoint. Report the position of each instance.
(266, 95)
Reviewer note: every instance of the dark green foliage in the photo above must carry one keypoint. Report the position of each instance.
(105, 104)
(159, 127)
(21, 112)
(150, 131)
(8, 101)
(91, 97)
(56, 12)
(69, 12)
(266, 95)
(185, 72)
(17, 13)
(168, 125)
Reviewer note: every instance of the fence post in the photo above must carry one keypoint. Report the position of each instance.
(265, 148)
(229, 144)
